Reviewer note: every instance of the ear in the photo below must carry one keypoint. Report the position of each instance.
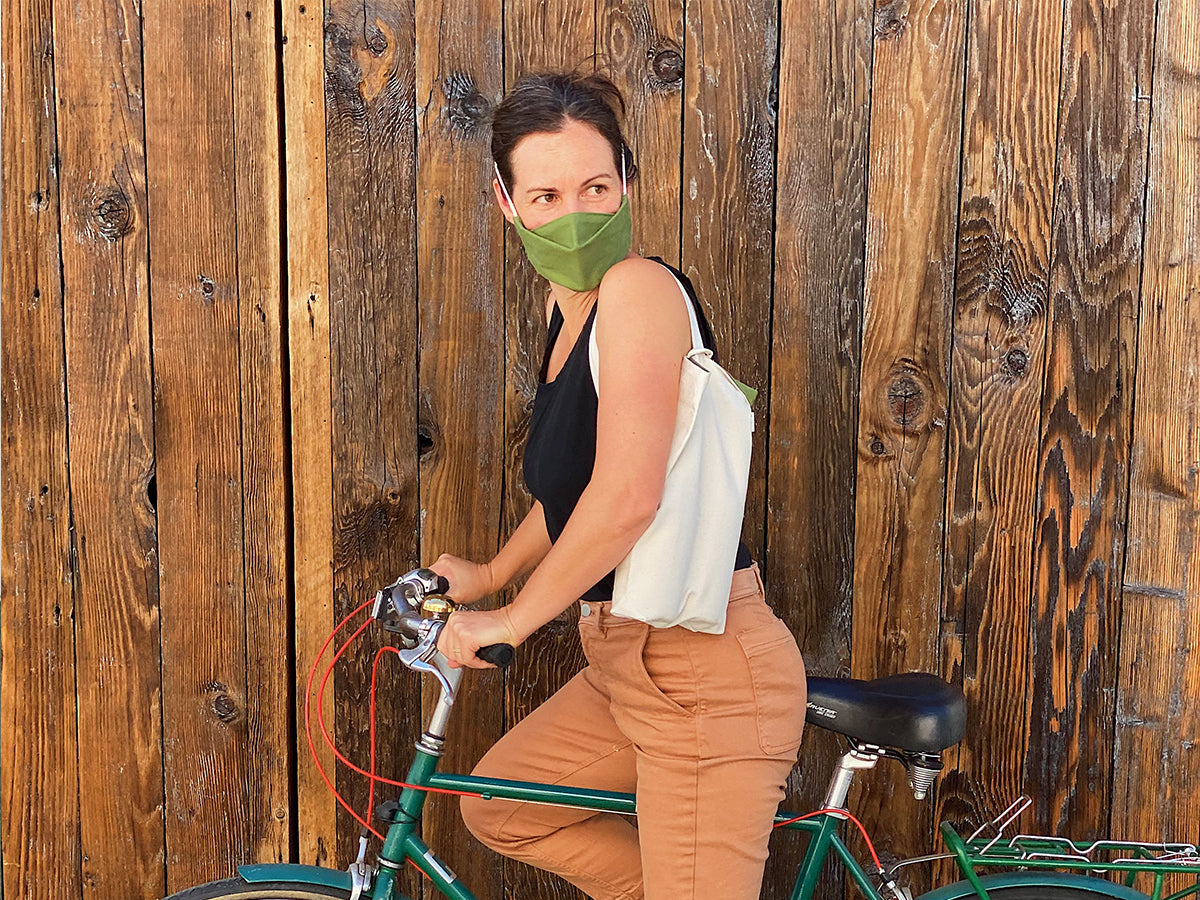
(505, 209)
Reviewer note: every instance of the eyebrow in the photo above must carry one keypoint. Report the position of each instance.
(550, 190)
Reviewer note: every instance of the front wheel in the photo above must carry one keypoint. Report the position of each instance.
(240, 889)
(1044, 885)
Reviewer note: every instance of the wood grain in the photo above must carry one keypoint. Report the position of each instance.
(1083, 457)
(997, 365)
(1156, 792)
(369, 93)
(111, 414)
(560, 36)
(640, 45)
(194, 308)
(310, 386)
(916, 113)
(729, 110)
(816, 320)
(460, 435)
(267, 561)
(172, 446)
(38, 737)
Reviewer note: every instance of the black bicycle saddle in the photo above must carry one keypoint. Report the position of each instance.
(917, 712)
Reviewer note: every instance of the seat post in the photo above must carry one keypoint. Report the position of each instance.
(862, 756)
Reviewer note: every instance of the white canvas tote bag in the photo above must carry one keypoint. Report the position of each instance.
(680, 570)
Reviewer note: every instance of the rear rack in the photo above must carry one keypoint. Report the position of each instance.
(991, 846)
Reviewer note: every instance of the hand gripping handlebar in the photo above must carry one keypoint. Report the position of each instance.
(415, 606)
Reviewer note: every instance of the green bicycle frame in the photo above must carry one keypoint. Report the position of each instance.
(403, 845)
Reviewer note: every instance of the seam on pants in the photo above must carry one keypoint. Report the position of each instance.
(518, 805)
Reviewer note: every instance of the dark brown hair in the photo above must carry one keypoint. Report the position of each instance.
(542, 102)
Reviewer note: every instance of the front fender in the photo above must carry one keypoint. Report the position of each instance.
(262, 872)
(1101, 887)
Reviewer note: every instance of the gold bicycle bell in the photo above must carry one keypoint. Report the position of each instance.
(437, 608)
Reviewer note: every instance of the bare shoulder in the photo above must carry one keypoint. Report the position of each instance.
(639, 286)
(641, 311)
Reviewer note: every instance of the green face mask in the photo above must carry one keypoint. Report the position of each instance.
(576, 250)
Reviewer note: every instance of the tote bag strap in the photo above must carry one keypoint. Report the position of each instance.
(697, 340)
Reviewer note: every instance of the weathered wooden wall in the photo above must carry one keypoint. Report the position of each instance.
(266, 345)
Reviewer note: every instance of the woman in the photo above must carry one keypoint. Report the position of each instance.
(704, 727)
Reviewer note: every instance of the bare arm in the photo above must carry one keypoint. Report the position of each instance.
(525, 548)
(642, 334)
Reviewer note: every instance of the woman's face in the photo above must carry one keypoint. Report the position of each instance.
(560, 172)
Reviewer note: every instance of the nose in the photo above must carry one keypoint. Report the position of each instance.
(572, 204)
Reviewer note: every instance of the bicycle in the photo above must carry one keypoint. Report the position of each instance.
(909, 718)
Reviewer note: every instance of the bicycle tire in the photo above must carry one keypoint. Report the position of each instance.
(1046, 885)
(240, 889)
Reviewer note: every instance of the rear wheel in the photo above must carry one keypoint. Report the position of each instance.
(1038, 886)
(1045, 892)
(240, 889)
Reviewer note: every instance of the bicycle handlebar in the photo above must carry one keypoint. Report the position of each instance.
(414, 587)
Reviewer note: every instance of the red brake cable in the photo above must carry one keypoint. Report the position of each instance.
(373, 778)
(843, 813)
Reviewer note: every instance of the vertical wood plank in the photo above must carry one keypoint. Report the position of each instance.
(107, 307)
(640, 43)
(559, 36)
(916, 113)
(728, 196)
(266, 558)
(997, 366)
(1086, 412)
(310, 386)
(1156, 795)
(193, 275)
(460, 285)
(370, 130)
(38, 740)
(816, 318)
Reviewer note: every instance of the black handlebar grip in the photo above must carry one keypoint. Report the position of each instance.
(441, 585)
(496, 654)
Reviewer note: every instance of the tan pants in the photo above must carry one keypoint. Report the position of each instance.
(705, 729)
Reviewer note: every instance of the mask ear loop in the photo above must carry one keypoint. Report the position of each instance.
(624, 186)
(511, 206)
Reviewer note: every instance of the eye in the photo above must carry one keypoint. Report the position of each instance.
(544, 198)
(598, 189)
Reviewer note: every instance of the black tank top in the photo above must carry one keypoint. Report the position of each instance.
(560, 451)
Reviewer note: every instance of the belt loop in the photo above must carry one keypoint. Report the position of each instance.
(758, 579)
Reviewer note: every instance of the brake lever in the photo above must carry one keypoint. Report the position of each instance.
(424, 657)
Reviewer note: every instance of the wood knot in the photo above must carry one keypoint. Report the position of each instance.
(111, 215)
(667, 66)
(891, 18)
(377, 41)
(466, 107)
(425, 441)
(878, 448)
(224, 707)
(907, 395)
(1015, 363)
(207, 288)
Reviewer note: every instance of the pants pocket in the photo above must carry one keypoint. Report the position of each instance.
(668, 670)
(777, 680)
